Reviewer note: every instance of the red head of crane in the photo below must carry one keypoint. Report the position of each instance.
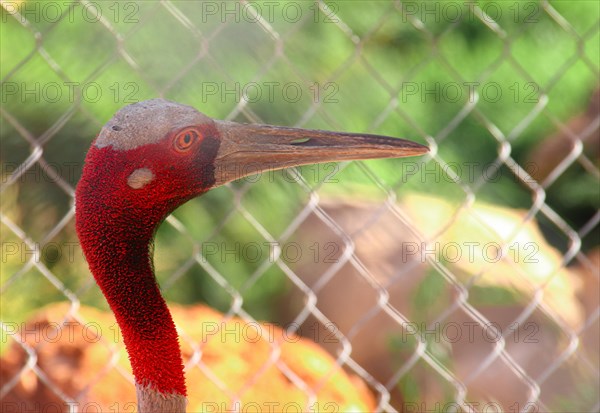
(150, 158)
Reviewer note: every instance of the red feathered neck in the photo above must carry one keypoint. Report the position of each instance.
(116, 225)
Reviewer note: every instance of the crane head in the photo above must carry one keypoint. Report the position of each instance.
(158, 154)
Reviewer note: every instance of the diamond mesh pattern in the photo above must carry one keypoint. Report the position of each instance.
(345, 254)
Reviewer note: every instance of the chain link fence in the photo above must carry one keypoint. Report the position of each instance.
(463, 281)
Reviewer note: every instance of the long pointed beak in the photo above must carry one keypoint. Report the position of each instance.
(247, 149)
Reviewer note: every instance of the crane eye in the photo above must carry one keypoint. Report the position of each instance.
(185, 139)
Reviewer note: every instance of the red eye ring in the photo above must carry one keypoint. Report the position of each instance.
(185, 139)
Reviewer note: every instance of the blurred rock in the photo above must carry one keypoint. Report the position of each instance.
(77, 358)
(456, 291)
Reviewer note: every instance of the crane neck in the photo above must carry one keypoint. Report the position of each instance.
(117, 242)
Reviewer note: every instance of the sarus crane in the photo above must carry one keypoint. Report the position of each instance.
(150, 158)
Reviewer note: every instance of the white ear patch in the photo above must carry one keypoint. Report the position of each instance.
(140, 178)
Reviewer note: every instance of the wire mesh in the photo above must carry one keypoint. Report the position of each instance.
(463, 281)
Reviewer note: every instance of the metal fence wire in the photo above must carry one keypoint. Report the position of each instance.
(465, 280)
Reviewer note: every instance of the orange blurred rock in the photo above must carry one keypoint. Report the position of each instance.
(76, 356)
